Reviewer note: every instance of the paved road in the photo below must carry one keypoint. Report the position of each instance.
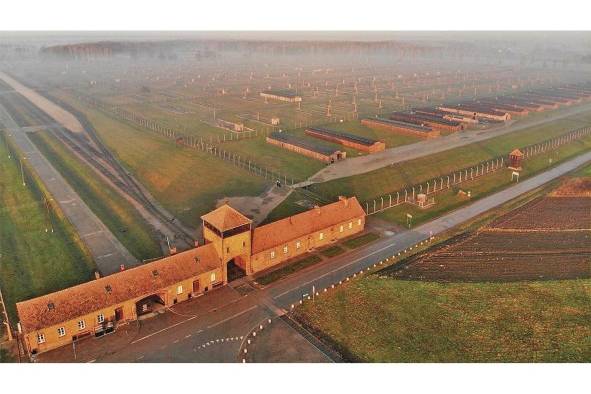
(181, 334)
(107, 252)
(362, 164)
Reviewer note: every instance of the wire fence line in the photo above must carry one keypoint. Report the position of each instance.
(163, 130)
(193, 142)
(435, 185)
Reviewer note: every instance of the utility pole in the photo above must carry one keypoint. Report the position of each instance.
(6, 321)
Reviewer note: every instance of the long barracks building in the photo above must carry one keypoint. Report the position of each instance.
(100, 306)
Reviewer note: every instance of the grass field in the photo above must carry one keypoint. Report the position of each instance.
(378, 318)
(111, 208)
(481, 187)
(364, 239)
(282, 272)
(34, 261)
(187, 182)
(387, 320)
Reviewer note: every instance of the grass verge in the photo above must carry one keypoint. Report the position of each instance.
(282, 272)
(118, 214)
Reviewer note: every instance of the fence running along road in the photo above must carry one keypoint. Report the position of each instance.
(445, 182)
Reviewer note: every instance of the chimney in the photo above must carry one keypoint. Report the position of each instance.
(196, 243)
(345, 200)
(122, 267)
(172, 250)
(97, 274)
(317, 209)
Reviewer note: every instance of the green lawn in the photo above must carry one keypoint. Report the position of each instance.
(332, 251)
(481, 187)
(364, 239)
(185, 181)
(284, 271)
(388, 320)
(34, 260)
(111, 208)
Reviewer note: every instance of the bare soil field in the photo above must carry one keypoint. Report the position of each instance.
(549, 238)
(550, 213)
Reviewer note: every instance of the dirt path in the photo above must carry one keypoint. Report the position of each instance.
(57, 113)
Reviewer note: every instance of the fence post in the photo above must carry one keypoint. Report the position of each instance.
(397, 197)
(448, 181)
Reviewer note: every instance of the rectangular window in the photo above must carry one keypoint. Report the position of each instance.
(321, 237)
(298, 245)
(100, 318)
(273, 254)
(179, 289)
(40, 338)
(341, 229)
(285, 249)
(61, 332)
(359, 222)
(212, 277)
(81, 324)
(350, 224)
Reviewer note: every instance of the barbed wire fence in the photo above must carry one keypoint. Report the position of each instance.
(487, 167)
(193, 142)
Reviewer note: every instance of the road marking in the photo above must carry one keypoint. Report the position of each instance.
(187, 336)
(162, 330)
(233, 316)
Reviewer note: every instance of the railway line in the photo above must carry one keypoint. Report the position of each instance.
(91, 149)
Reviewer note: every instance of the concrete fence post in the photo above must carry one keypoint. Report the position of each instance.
(448, 181)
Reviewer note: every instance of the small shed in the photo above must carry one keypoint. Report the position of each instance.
(515, 159)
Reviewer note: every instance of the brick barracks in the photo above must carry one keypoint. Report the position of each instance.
(100, 306)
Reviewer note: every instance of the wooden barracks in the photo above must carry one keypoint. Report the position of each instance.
(99, 306)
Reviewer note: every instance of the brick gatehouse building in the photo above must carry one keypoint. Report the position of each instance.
(99, 306)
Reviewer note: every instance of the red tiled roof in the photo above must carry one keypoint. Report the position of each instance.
(225, 218)
(516, 152)
(85, 298)
(303, 224)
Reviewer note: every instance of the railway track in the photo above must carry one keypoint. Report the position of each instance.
(92, 150)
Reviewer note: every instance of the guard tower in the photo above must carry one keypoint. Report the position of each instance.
(231, 233)
(515, 159)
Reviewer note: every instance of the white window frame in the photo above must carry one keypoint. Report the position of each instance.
(285, 249)
(298, 244)
(100, 318)
(272, 254)
(350, 225)
(61, 332)
(321, 236)
(179, 289)
(359, 222)
(342, 228)
(212, 277)
(81, 325)
(40, 338)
